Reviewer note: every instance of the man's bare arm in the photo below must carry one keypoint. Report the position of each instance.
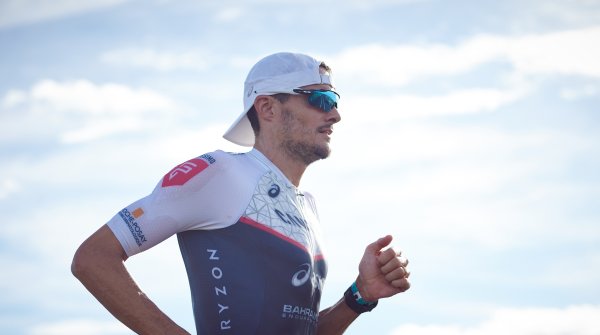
(382, 274)
(335, 319)
(99, 265)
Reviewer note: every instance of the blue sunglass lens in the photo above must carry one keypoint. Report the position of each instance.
(325, 100)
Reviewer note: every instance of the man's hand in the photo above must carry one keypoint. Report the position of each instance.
(382, 273)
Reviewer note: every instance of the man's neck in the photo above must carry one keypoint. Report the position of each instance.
(291, 167)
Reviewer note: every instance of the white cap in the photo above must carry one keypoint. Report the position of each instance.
(278, 73)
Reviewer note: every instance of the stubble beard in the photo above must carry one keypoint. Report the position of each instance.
(299, 150)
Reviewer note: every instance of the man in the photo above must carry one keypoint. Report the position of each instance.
(245, 230)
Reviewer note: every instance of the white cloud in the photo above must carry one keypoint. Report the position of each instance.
(398, 65)
(580, 92)
(16, 12)
(85, 97)
(196, 60)
(570, 52)
(573, 52)
(466, 101)
(229, 14)
(356, 3)
(572, 320)
(13, 98)
(484, 185)
(100, 128)
(80, 327)
(399, 141)
(76, 111)
(574, 12)
(582, 270)
(8, 187)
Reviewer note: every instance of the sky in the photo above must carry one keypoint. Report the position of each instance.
(469, 132)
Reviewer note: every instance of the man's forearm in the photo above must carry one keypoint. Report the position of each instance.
(382, 274)
(335, 319)
(103, 273)
(128, 303)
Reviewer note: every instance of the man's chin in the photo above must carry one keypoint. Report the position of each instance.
(322, 151)
(305, 152)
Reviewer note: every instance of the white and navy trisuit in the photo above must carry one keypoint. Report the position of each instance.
(248, 241)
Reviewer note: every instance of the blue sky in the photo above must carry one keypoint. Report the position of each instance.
(469, 132)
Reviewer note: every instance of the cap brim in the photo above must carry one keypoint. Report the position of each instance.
(240, 132)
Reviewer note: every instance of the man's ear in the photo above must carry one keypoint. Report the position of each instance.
(265, 107)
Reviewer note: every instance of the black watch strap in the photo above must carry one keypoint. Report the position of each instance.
(355, 301)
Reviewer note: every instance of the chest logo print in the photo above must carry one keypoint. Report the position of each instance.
(301, 277)
(274, 191)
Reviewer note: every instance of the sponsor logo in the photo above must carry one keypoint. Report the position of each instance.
(133, 226)
(183, 172)
(137, 212)
(290, 219)
(274, 191)
(301, 276)
(299, 313)
(220, 290)
(208, 158)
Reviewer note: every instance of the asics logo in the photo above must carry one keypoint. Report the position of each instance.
(274, 191)
(301, 276)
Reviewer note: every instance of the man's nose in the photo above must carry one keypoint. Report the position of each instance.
(334, 115)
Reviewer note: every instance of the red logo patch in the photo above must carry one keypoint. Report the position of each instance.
(184, 172)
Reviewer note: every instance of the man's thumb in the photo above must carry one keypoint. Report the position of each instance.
(380, 243)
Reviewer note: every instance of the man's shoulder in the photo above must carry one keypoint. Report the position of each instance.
(184, 172)
(210, 165)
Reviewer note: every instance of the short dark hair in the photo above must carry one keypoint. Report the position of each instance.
(281, 97)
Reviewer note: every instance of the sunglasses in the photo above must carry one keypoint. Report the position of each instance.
(325, 100)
